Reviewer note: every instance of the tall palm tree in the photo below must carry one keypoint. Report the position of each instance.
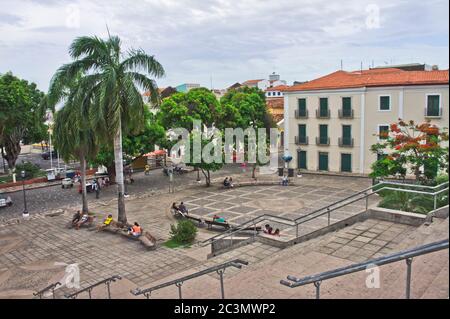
(112, 81)
(74, 136)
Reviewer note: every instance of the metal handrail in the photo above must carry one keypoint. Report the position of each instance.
(328, 209)
(407, 255)
(220, 269)
(106, 281)
(51, 287)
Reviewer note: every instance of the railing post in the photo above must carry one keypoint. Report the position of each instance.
(296, 230)
(109, 289)
(147, 295)
(220, 272)
(317, 285)
(408, 277)
(179, 284)
(328, 217)
(435, 202)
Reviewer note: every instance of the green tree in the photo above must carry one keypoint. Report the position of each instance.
(112, 81)
(74, 136)
(408, 145)
(249, 109)
(21, 117)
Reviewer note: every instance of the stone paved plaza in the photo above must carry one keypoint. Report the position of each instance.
(34, 252)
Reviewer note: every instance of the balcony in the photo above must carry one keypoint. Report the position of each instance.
(301, 115)
(301, 140)
(346, 142)
(322, 141)
(323, 115)
(345, 114)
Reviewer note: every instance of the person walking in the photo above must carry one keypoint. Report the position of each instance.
(96, 187)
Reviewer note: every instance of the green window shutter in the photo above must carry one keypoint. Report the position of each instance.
(323, 134)
(323, 107)
(346, 106)
(433, 105)
(385, 103)
(302, 107)
(346, 162)
(346, 134)
(302, 160)
(323, 161)
(302, 133)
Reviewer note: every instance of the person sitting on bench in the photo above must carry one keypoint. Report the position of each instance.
(230, 180)
(183, 209)
(83, 220)
(175, 209)
(76, 218)
(276, 232)
(226, 182)
(268, 229)
(285, 181)
(135, 231)
(108, 220)
(218, 219)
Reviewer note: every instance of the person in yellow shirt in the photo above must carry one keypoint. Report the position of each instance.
(108, 220)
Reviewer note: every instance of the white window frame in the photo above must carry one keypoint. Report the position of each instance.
(379, 102)
(378, 131)
(426, 105)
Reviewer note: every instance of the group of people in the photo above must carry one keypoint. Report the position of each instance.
(180, 209)
(269, 230)
(80, 218)
(228, 182)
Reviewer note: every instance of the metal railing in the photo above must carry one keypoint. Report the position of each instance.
(322, 140)
(345, 114)
(89, 289)
(406, 255)
(346, 141)
(330, 208)
(301, 140)
(323, 115)
(301, 115)
(219, 269)
(51, 288)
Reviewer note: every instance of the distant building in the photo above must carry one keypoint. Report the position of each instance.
(186, 87)
(409, 67)
(263, 84)
(219, 92)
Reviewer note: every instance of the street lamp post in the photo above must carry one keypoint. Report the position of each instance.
(25, 210)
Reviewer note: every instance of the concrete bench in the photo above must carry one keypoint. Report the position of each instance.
(145, 238)
(256, 183)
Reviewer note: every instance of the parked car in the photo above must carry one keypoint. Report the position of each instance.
(5, 201)
(46, 155)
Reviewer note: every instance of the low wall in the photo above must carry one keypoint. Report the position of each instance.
(397, 216)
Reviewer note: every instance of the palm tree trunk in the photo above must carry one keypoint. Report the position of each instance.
(118, 159)
(83, 183)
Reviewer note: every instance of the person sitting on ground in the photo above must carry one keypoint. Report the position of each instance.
(268, 229)
(218, 219)
(107, 222)
(135, 230)
(182, 208)
(76, 218)
(83, 220)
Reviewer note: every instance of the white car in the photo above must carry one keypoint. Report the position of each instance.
(5, 201)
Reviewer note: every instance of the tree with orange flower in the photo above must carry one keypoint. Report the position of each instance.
(410, 146)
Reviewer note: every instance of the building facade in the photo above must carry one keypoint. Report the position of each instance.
(333, 121)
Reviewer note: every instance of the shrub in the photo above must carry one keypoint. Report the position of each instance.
(184, 232)
(30, 169)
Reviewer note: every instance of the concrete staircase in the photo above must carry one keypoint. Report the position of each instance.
(261, 278)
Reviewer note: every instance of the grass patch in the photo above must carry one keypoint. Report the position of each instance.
(174, 244)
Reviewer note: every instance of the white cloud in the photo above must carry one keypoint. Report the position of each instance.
(228, 40)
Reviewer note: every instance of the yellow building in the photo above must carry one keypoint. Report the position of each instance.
(331, 122)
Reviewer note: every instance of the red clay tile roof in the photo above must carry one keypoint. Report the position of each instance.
(278, 88)
(373, 78)
(251, 82)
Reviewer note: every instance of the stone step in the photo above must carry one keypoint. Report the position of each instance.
(439, 288)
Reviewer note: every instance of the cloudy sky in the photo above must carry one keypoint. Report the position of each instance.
(228, 41)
